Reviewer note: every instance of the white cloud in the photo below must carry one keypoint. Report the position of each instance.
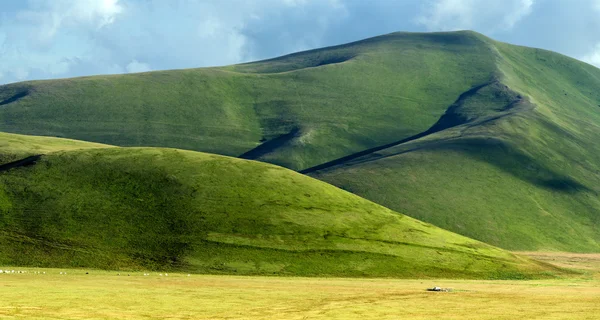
(448, 15)
(136, 66)
(65, 38)
(521, 10)
(97, 12)
(45, 18)
(493, 15)
(593, 57)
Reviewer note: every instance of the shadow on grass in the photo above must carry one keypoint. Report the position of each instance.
(15, 97)
(505, 157)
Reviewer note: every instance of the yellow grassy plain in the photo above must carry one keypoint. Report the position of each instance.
(106, 295)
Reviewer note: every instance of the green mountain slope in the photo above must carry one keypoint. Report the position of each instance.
(518, 170)
(15, 146)
(170, 209)
(493, 141)
(297, 111)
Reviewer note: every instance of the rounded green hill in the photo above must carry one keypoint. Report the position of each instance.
(150, 208)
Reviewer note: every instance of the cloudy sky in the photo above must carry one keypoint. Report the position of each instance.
(42, 39)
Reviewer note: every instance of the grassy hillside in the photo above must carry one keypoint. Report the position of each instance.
(493, 141)
(519, 167)
(15, 146)
(298, 111)
(167, 209)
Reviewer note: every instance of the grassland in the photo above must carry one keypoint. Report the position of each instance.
(299, 111)
(106, 295)
(515, 164)
(493, 141)
(134, 208)
(15, 146)
(585, 263)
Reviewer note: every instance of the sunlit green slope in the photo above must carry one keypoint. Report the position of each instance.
(169, 209)
(15, 146)
(493, 141)
(519, 167)
(298, 111)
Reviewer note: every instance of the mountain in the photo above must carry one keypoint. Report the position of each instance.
(490, 140)
(297, 111)
(169, 209)
(516, 162)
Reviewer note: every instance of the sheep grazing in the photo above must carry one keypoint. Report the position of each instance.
(160, 274)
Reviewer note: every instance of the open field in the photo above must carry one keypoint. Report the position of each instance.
(106, 295)
(588, 263)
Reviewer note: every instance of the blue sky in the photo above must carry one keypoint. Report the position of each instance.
(43, 39)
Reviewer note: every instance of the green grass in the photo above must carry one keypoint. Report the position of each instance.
(168, 209)
(493, 141)
(14, 146)
(522, 178)
(392, 87)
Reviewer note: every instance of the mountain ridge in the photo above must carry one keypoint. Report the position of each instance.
(490, 140)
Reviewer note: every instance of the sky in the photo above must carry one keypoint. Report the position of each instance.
(45, 39)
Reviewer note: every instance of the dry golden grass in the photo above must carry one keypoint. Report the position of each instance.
(588, 263)
(105, 295)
